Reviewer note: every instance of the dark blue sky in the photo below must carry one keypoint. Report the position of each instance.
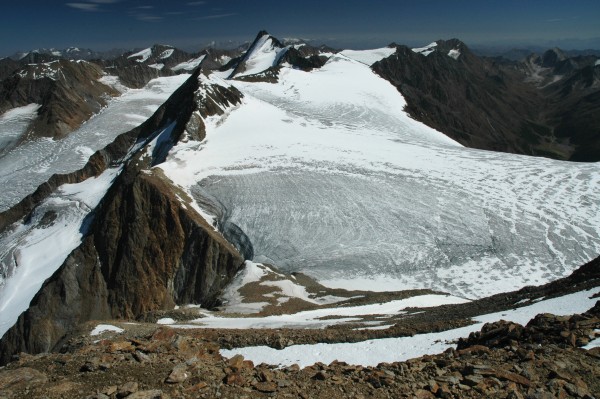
(105, 24)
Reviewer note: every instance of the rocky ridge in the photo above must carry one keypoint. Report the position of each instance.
(541, 106)
(141, 235)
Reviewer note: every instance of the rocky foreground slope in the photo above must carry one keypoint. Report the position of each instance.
(503, 360)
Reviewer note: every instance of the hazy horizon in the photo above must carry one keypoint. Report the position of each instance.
(126, 24)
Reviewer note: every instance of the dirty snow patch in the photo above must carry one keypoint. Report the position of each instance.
(454, 53)
(375, 351)
(101, 328)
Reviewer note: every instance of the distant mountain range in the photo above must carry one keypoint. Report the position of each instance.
(553, 90)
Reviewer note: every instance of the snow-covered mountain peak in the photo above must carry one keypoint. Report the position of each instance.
(142, 55)
(430, 48)
(264, 53)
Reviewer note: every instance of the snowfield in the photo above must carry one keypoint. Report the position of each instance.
(326, 174)
(369, 57)
(375, 351)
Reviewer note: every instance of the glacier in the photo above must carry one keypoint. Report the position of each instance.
(324, 173)
(24, 167)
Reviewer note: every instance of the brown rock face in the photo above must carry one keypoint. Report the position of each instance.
(145, 249)
(158, 251)
(68, 91)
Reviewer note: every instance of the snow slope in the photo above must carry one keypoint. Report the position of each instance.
(373, 352)
(14, 123)
(430, 48)
(369, 57)
(321, 318)
(24, 168)
(32, 250)
(189, 65)
(327, 175)
(143, 55)
(263, 55)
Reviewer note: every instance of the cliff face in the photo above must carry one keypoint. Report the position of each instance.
(144, 249)
(155, 253)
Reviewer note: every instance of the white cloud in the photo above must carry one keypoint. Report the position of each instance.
(147, 17)
(84, 6)
(216, 16)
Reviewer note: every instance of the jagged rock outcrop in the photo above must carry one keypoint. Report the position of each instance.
(524, 107)
(145, 249)
(168, 250)
(68, 91)
(552, 57)
(263, 44)
(298, 59)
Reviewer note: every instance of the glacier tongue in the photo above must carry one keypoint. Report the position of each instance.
(326, 174)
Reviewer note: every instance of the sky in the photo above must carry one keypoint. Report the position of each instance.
(191, 25)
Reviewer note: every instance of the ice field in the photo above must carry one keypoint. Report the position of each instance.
(326, 174)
